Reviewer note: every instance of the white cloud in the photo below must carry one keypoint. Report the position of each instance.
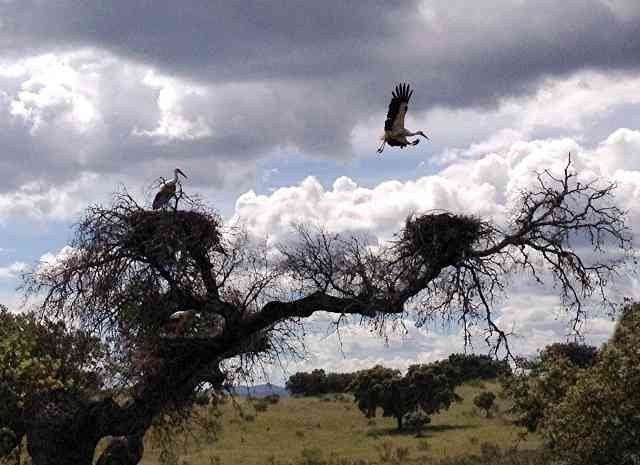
(55, 87)
(12, 271)
(174, 123)
(484, 185)
(349, 207)
(45, 202)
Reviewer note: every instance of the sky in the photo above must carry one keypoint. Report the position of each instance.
(274, 112)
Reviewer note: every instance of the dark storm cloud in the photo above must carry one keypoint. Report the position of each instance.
(458, 54)
(291, 75)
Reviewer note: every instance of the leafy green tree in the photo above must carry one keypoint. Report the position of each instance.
(307, 384)
(598, 420)
(468, 367)
(485, 401)
(580, 355)
(318, 382)
(368, 388)
(549, 378)
(428, 388)
(39, 357)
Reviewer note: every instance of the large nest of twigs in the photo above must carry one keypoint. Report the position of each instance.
(441, 239)
(156, 233)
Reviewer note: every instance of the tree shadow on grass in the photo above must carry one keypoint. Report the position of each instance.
(428, 431)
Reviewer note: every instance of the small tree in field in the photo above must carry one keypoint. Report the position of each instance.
(425, 388)
(485, 401)
(131, 268)
(369, 386)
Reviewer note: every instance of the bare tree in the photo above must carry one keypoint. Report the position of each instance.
(132, 268)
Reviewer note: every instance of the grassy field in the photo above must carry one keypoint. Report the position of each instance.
(309, 430)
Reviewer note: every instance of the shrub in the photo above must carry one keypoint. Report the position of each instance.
(312, 456)
(416, 421)
(485, 401)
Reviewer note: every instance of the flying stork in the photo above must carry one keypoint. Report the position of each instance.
(167, 191)
(395, 133)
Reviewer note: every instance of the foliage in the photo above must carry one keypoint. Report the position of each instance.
(318, 382)
(40, 356)
(416, 421)
(598, 421)
(468, 367)
(547, 382)
(368, 388)
(8, 441)
(485, 401)
(464, 367)
(579, 355)
(429, 388)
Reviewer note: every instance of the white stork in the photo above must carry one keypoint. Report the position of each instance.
(395, 133)
(167, 191)
(179, 322)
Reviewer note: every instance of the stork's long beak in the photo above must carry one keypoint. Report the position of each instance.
(180, 171)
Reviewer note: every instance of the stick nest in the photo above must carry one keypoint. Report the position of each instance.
(441, 239)
(156, 233)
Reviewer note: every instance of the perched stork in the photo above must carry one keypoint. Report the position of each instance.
(179, 322)
(395, 133)
(167, 191)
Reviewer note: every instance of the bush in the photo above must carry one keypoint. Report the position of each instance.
(485, 401)
(312, 456)
(416, 421)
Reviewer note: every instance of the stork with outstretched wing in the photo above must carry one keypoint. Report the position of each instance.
(167, 191)
(395, 133)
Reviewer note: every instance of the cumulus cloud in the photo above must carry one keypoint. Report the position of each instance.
(486, 186)
(12, 271)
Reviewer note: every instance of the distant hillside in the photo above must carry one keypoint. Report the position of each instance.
(261, 390)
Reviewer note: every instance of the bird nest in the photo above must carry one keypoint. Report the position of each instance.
(442, 238)
(156, 233)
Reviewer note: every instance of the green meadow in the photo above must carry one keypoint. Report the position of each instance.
(332, 430)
